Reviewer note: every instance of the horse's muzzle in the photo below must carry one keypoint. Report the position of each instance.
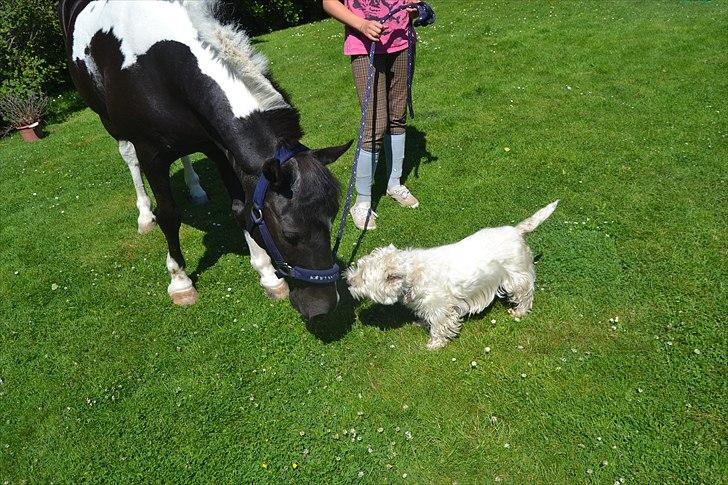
(314, 301)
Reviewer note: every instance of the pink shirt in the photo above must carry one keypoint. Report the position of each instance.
(395, 37)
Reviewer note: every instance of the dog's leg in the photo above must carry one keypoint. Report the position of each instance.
(423, 323)
(520, 292)
(444, 325)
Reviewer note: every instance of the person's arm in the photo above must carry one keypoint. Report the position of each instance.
(370, 28)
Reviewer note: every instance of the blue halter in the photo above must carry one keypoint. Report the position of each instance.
(283, 269)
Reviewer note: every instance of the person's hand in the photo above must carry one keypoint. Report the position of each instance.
(371, 29)
(413, 12)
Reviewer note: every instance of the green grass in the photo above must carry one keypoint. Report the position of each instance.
(617, 108)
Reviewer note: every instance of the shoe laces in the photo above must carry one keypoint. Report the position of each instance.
(361, 210)
(401, 191)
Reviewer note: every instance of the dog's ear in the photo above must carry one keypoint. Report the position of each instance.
(394, 278)
(385, 252)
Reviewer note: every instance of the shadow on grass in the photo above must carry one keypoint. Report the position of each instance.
(387, 317)
(415, 154)
(222, 235)
(63, 105)
(337, 324)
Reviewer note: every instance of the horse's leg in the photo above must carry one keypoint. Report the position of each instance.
(180, 289)
(145, 221)
(275, 287)
(197, 194)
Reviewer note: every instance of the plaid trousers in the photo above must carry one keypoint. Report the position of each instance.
(387, 112)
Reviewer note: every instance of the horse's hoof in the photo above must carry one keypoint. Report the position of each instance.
(185, 297)
(279, 292)
(145, 226)
(199, 199)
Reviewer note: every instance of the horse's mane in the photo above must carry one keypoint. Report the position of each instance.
(319, 188)
(233, 47)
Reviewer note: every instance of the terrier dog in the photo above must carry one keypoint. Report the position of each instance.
(443, 284)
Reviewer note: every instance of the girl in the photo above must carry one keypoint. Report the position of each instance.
(387, 111)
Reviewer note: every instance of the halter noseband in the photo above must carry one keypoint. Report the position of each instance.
(283, 269)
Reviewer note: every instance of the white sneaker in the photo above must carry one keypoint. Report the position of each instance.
(359, 213)
(401, 194)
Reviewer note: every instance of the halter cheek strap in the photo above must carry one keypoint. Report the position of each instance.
(283, 269)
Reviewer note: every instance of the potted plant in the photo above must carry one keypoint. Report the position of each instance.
(24, 113)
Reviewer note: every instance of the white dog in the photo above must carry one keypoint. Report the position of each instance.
(443, 284)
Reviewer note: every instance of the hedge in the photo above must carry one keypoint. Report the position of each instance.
(32, 56)
(31, 47)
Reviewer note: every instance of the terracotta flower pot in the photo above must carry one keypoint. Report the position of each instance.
(30, 132)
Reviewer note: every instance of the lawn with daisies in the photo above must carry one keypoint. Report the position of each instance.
(617, 376)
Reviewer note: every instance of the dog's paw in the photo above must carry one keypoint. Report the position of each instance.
(436, 343)
(517, 313)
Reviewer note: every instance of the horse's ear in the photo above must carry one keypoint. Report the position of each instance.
(277, 177)
(331, 154)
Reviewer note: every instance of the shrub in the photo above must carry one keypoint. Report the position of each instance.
(260, 16)
(23, 110)
(32, 56)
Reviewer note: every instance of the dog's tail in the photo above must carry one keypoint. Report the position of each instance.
(530, 224)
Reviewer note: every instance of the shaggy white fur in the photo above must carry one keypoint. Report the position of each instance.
(234, 48)
(443, 284)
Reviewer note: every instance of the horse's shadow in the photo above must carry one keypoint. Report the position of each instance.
(222, 235)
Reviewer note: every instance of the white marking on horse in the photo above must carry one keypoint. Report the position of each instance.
(275, 287)
(137, 26)
(180, 280)
(145, 221)
(197, 193)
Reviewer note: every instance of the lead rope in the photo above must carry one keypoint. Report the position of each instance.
(412, 38)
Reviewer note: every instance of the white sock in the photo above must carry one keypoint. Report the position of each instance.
(394, 150)
(365, 169)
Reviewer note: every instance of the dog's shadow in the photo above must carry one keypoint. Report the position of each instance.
(336, 325)
(387, 317)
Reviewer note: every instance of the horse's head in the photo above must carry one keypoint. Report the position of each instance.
(300, 205)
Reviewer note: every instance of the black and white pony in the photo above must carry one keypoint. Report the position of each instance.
(168, 79)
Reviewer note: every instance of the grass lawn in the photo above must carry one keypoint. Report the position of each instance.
(617, 108)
